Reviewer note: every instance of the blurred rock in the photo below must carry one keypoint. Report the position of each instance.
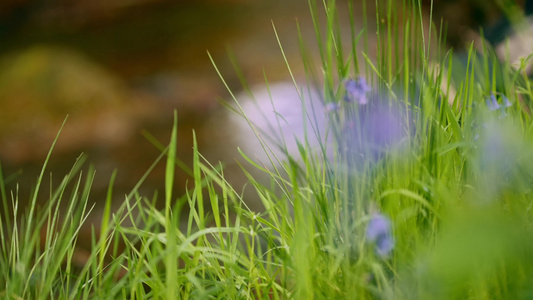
(40, 86)
(518, 45)
(277, 115)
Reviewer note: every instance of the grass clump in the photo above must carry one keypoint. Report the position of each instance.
(418, 187)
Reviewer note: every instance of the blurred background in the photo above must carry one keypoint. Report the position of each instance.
(121, 67)
(118, 68)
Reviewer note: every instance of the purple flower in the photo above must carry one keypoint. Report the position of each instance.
(356, 90)
(492, 103)
(331, 106)
(506, 102)
(379, 232)
(384, 246)
(369, 137)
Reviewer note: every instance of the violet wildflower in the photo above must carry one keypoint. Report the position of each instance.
(379, 232)
(331, 106)
(506, 102)
(492, 103)
(356, 90)
(367, 138)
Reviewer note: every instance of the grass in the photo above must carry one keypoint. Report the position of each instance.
(420, 193)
